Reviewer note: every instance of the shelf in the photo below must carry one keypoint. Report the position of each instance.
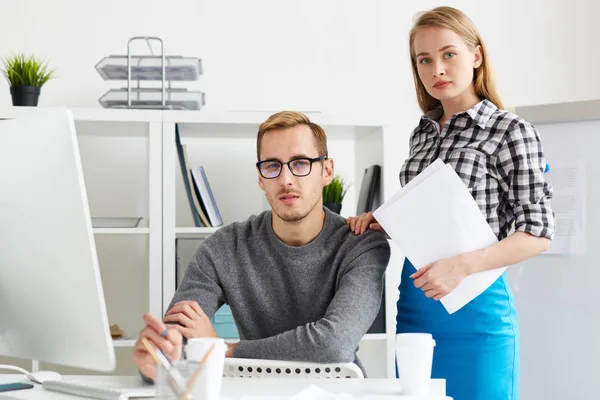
(224, 118)
(92, 114)
(238, 124)
(149, 68)
(124, 343)
(375, 336)
(121, 231)
(196, 231)
(257, 117)
(227, 124)
(559, 112)
(116, 115)
(180, 99)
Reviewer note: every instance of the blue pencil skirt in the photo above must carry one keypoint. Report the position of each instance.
(477, 347)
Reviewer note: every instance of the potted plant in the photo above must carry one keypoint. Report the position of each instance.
(26, 75)
(334, 193)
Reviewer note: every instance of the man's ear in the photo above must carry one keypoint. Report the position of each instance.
(261, 184)
(328, 170)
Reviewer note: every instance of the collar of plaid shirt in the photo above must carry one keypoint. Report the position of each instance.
(480, 113)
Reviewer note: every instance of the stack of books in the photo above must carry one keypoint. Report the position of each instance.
(200, 197)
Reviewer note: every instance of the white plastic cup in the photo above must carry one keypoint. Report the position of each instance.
(414, 358)
(211, 379)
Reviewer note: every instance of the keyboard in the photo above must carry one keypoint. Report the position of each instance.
(96, 390)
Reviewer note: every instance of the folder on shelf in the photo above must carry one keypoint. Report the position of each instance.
(200, 182)
(369, 190)
(195, 206)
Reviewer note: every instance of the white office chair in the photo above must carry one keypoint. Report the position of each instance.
(256, 368)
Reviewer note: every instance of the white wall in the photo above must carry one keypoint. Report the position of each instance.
(310, 55)
(320, 55)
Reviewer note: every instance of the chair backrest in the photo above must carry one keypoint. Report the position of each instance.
(256, 368)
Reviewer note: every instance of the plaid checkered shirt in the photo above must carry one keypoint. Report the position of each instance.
(499, 157)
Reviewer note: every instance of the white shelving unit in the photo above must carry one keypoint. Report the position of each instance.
(198, 232)
(121, 231)
(225, 130)
(224, 143)
(124, 343)
(218, 141)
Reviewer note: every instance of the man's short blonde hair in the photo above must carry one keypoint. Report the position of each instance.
(290, 119)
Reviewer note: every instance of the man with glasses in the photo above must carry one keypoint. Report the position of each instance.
(301, 286)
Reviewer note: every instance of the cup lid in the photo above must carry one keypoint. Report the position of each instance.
(415, 338)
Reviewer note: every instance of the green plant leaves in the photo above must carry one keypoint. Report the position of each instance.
(335, 191)
(22, 70)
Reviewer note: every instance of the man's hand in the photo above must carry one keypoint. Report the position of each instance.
(194, 322)
(169, 341)
(230, 350)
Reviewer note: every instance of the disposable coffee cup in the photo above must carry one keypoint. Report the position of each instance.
(211, 379)
(414, 358)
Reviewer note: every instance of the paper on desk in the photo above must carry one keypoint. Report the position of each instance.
(310, 393)
(435, 218)
(316, 393)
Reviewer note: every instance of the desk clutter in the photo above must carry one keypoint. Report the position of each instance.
(314, 392)
(116, 333)
(151, 67)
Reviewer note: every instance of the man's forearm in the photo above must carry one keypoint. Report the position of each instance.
(312, 344)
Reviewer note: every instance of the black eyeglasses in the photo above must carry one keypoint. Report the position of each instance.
(271, 169)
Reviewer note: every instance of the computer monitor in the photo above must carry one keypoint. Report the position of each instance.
(52, 304)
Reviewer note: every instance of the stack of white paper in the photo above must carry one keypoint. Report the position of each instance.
(316, 393)
(310, 393)
(433, 217)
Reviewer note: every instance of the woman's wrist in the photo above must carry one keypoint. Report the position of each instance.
(472, 262)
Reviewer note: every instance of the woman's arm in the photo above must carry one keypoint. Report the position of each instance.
(517, 247)
(519, 168)
(443, 276)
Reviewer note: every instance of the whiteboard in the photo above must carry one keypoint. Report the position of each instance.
(558, 296)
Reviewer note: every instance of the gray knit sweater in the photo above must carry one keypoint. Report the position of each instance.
(308, 303)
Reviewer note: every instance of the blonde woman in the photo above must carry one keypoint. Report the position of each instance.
(499, 157)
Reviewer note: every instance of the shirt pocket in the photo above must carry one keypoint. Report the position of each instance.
(470, 165)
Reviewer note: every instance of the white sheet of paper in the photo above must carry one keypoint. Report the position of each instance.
(568, 203)
(316, 393)
(426, 173)
(438, 218)
(310, 393)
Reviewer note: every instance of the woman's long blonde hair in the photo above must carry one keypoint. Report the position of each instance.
(457, 21)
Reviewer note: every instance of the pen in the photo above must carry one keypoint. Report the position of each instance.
(175, 378)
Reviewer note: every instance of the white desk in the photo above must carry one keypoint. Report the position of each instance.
(236, 388)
